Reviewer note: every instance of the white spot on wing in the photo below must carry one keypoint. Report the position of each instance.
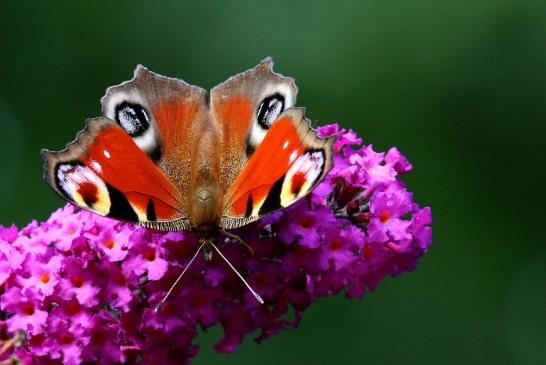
(293, 156)
(96, 167)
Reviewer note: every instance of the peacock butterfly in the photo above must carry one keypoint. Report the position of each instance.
(170, 156)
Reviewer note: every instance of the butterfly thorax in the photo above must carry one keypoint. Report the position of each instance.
(206, 196)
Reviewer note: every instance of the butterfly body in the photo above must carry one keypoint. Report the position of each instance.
(165, 155)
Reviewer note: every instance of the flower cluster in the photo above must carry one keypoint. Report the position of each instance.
(80, 288)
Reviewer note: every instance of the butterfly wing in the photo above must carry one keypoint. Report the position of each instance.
(134, 164)
(289, 162)
(243, 109)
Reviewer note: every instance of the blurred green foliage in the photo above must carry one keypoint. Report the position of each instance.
(458, 86)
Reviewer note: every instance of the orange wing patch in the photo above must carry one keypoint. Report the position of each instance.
(163, 116)
(288, 164)
(239, 105)
(268, 164)
(104, 171)
(236, 112)
(173, 118)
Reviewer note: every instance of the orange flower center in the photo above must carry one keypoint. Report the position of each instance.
(28, 309)
(384, 216)
(73, 308)
(44, 278)
(37, 340)
(109, 244)
(306, 223)
(367, 251)
(149, 255)
(66, 339)
(335, 245)
(120, 280)
(77, 281)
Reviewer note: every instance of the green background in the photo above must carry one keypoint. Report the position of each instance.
(458, 86)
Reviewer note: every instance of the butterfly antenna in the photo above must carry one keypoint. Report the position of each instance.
(256, 295)
(178, 279)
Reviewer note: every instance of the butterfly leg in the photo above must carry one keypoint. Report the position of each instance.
(240, 240)
(14, 342)
(207, 250)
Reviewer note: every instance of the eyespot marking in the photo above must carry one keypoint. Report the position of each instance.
(266, 114)
(269, 110)
(302, 176)
(81, 185)
(133, 118)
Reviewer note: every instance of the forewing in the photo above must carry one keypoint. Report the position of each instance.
(105, 172)
(243, 109)
(135, 163)
(172, 113)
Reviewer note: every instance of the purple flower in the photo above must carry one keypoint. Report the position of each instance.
(78, 282)
(340, 247)
(27, 315)
(83, 288)
(42, 276)
(66, 341)
(386, 210)
(110, 241)
(145, 256)
(303, 225)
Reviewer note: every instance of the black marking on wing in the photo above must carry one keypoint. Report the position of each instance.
(120, 207)
(156, 153)
(249, 150)
(273, 200)
(58, 184)
(150, 211)
(249, 206)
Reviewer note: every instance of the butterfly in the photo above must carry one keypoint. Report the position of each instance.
(170, 156)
